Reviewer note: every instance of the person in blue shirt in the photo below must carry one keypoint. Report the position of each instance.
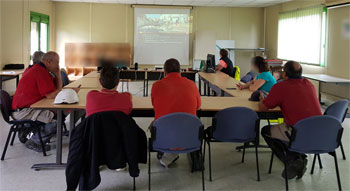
(264, 80)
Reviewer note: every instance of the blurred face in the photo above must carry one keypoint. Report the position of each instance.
(255, 68)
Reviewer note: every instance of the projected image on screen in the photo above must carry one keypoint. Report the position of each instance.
(161, 34)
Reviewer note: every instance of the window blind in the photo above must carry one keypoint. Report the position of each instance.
(301, 35)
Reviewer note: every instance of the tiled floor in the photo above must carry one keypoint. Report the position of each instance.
(228, 172)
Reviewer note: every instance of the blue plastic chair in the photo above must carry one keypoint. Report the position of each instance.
(177, 133)
(337, 110)
(16, 125)
(316, 135)
(235, 125)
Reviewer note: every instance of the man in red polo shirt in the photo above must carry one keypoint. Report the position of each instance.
(174, 94)
(108, 99)
(298, 100)
(38, 83)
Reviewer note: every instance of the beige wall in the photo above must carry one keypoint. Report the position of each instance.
(91, 22)
(338, 59)
(15, 31)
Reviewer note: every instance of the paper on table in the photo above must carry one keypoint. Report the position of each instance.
(11, 72)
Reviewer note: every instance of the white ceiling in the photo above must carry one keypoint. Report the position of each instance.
(225, 3)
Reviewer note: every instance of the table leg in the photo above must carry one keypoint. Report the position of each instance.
(58, 164)
(319, 93)
(199, 85)
(0, 82)
(144, 87)
(208, 89)
(17, 80)
(147, 87)
(71, 121)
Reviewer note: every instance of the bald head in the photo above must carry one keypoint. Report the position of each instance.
(293, 70)
(51, 61)
(50, 56)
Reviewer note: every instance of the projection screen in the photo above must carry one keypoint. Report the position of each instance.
(160, 34)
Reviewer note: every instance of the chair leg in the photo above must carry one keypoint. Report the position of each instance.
(149, 167)
(334, 154)
(257, 162)
(203, 182)
(204, 145)
(6, 144)
(286, 174)
(342, 150)
(243, 152)
(13, 137)
(41, 141)
(210, 177)
(271, 161)
(319, 161)
(134, 184)
(313, 164)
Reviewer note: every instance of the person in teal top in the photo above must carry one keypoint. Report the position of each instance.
(264, 80)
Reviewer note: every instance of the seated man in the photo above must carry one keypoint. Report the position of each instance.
(37, 83)
(298, 100)
(108, 99)
(174, 94)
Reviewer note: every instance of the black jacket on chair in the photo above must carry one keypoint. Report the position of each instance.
(107, 138)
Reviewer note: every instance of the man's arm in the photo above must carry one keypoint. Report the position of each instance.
(272, 100)
(58, 82)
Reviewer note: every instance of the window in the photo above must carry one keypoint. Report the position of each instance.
(39, 32)
(302, 35)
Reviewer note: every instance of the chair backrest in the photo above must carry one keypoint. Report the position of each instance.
(5, 104)
(338, 110)
(177, 133)
(235, 124)
(318, 134)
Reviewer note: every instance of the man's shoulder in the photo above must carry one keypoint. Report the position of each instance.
(92, 93)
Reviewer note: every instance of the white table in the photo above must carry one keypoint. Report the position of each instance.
(324, 78)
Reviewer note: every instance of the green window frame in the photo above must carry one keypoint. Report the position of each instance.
(41, 18)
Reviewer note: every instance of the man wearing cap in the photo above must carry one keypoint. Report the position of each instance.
(36, 84)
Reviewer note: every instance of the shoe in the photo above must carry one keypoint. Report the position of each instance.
(120, 169)
(292, 173)
(302, 171)
(295, 168)
(159, 155)
(168, 159)
(36, 147)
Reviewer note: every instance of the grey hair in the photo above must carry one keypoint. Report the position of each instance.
(37, 57)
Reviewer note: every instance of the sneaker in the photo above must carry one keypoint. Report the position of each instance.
(159, 155)
(303, 169)
(168, 159)
(36, 147)
(121, 169)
